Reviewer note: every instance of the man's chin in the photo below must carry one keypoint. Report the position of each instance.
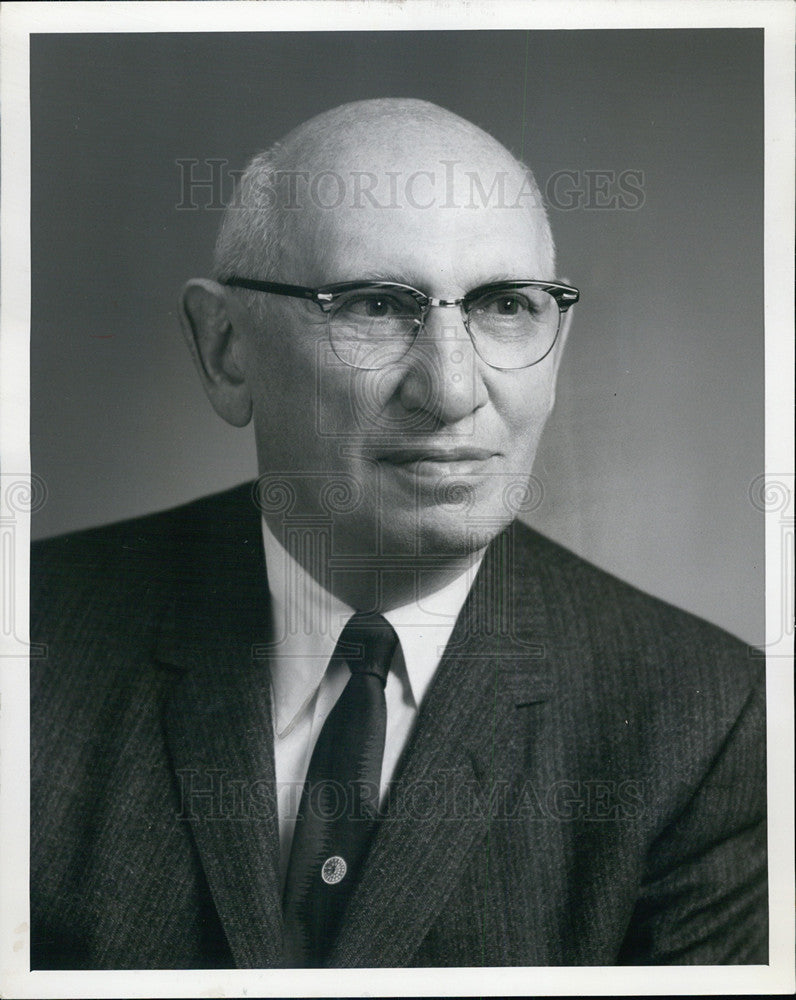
(437, 532)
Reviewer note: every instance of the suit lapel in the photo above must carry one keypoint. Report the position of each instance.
(495, 662)
(218, 722)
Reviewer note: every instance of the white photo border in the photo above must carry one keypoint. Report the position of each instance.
(17, 22)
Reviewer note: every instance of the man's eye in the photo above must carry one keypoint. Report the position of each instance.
(509, 305)
(378, 307)
(503, 305)
(374, 307)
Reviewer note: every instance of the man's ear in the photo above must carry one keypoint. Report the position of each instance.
(216, 347)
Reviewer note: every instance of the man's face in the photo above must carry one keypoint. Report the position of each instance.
(436, 448)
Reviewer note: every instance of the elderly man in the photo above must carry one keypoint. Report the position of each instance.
(358, 714)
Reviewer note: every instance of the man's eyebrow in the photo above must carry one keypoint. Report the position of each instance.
(397, 278)
(400, 278)
(499, 278)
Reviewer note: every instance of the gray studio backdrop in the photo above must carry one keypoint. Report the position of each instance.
(648, 146)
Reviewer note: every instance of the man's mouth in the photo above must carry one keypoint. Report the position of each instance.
(436, 461)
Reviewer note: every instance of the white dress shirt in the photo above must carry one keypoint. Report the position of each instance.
(307, 622)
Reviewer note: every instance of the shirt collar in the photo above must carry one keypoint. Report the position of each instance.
(424, 627)
(307, 621)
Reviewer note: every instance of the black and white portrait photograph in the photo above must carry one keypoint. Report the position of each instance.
(397, 499)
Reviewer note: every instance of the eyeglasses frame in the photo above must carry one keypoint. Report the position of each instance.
(325, 297)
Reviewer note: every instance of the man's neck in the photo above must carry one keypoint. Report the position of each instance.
(370, 583)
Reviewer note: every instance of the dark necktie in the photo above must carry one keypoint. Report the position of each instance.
(340, 800)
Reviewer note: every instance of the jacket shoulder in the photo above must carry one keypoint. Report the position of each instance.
(628, 633)
(651, 691)
(116, 573)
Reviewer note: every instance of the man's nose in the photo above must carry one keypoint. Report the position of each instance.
(443, 378)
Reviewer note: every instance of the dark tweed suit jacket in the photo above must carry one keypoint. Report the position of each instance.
(585, 783)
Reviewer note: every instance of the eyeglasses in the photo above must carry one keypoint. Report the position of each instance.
(373, 324)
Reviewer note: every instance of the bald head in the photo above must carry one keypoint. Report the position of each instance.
(388, 130)
(384, 157)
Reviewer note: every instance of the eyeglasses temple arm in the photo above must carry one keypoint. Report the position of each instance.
(278, 288)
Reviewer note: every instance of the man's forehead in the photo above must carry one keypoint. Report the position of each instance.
(413, 244)
(442, 215)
